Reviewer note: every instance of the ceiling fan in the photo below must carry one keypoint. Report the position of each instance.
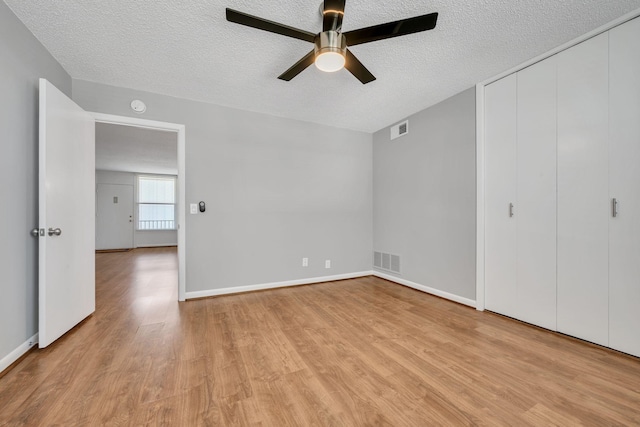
(330, 52)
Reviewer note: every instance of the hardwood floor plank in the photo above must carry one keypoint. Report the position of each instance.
(348, 353)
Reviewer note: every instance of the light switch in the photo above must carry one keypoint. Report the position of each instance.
(193, 208)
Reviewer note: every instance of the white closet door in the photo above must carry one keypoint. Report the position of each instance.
(536, 203)
(624, 152)
(583, 193)
(500, 192)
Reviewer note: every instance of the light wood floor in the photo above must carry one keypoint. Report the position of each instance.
(353, 353)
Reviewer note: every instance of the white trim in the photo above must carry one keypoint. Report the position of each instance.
(480, 143)
(159, 245)
(606, 27)
(181, 213)
(432, 291)
(18, 352)
(275, 285)
(136, 122)
(480, 197)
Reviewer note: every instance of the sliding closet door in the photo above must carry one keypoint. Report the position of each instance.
(583, 190)
(500, 196)
(536, 203)
(624, 152)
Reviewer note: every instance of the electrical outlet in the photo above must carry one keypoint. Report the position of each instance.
(327, 264)
(305, 262)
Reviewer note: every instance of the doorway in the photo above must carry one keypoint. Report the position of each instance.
(178, 131)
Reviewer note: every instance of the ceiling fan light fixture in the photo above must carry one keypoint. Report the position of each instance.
(330, 49)
(330, 62)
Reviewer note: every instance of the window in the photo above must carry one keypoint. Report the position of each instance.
(156, 202)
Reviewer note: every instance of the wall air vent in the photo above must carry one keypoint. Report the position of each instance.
(400, 129)
(384, 261)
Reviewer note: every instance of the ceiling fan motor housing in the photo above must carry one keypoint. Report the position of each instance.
(330, 41)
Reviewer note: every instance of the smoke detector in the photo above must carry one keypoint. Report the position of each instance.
(138, 106)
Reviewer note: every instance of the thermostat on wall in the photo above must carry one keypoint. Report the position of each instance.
(138, 106)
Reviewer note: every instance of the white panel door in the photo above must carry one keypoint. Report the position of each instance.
(624, 175)
(114, 216)
(500, 196)
(536, 203)
(583, 190)
(66, 214)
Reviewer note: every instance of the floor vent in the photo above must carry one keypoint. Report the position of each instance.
(384, 261)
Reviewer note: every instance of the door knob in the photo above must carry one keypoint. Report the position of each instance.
(54, 232)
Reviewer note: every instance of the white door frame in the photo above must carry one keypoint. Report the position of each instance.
(180, 131)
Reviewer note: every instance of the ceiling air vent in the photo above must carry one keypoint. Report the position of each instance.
(400, 129)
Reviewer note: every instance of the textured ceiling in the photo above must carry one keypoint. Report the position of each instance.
(131, 149)
(187, 49)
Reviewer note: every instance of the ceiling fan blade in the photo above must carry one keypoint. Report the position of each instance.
(298, 67)
(356, 68)
(266, 25)
(392, 29)
(332, 15)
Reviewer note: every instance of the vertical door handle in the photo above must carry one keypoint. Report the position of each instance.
(510, 210)
(614, 207)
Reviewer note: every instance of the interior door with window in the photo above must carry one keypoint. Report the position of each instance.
(66, 280)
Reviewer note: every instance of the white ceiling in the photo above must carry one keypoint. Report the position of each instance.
(188, 49)
(131, 149)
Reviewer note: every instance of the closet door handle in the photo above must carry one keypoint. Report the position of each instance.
(511, 210)
(614, 207)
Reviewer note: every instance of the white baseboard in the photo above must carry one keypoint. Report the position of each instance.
(6, 361)
(274, 285)
(432, 291)
(157, 245)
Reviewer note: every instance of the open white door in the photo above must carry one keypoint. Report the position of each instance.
(67, 214)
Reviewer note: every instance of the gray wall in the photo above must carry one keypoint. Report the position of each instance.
(425, 196)
(276, 190)
(22, 61)
(141, 239)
